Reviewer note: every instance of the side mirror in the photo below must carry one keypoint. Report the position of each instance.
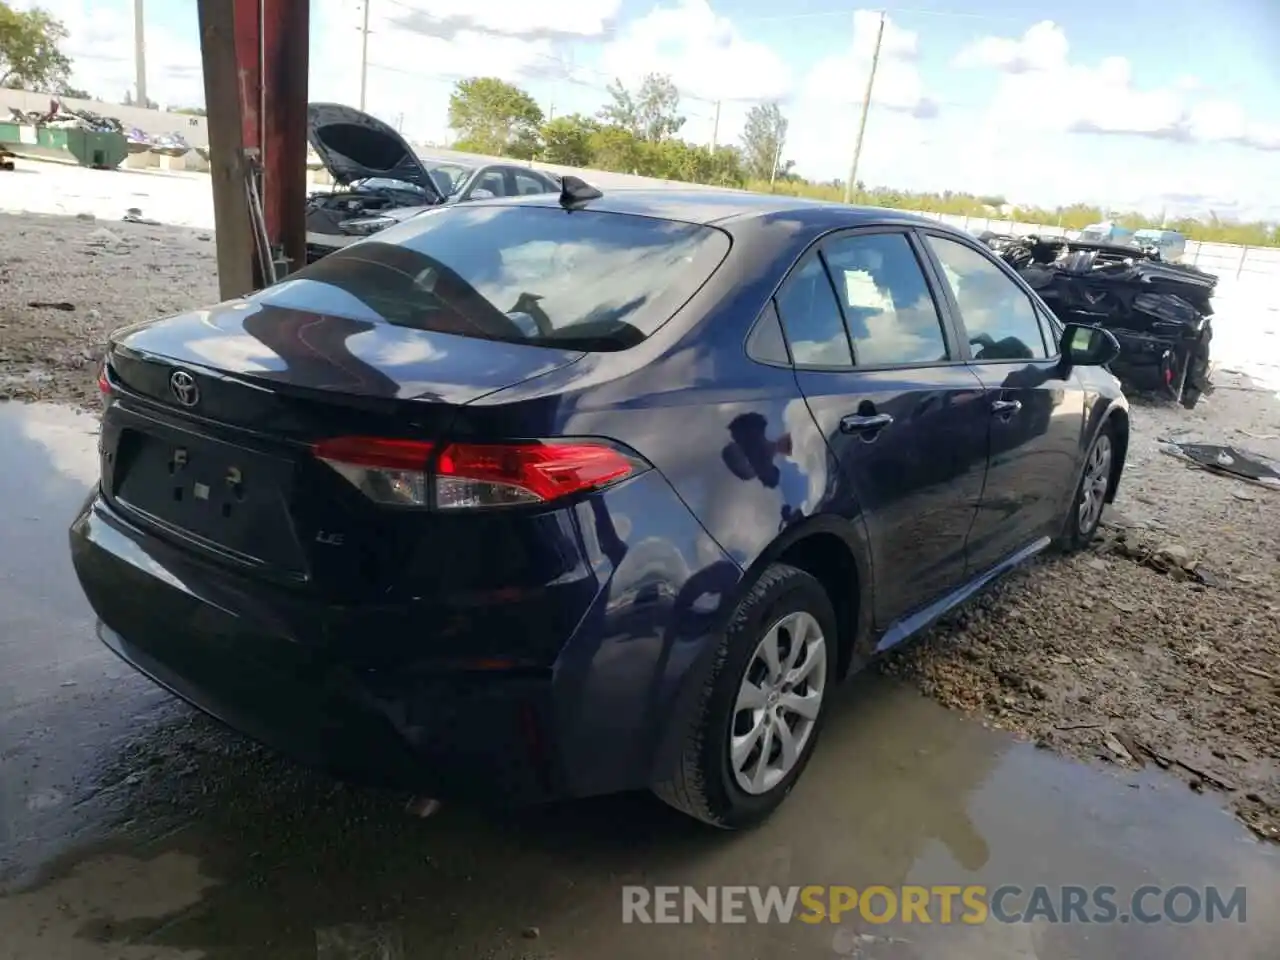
(1084, 346)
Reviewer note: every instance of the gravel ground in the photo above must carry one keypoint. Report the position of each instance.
(66, 282)
(1098, 655)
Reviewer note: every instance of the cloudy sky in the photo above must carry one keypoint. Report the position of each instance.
(1145, 103)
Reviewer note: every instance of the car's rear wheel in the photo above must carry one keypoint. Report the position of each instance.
(1091, 494)
(763, 705)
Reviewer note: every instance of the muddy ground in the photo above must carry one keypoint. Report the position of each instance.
(1101, 654)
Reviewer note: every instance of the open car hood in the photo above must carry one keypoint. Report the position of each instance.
(355, 146)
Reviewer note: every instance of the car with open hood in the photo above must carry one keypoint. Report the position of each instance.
(379, 180)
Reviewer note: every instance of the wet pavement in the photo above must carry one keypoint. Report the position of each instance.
(132, 828)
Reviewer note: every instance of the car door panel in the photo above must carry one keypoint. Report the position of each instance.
(910, 438)
(918, 479)
(1035, 406)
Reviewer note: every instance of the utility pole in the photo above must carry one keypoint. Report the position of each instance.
(866, 108)
(715, 128)
(140, 51)
(777, 158)
(364, 54)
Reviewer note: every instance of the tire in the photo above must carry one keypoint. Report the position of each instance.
(784, 604)
(1096, 480)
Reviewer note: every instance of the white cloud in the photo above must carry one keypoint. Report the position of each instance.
(825, 117)
(1042, 47)
(705, 55)
(1043, 90)
(518, 18)
(101, 47)
(842, 78)
(417, 49)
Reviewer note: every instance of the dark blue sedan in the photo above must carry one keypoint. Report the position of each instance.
(558, 496)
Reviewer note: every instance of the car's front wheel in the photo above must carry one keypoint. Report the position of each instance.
(762, 706)
(1091, 494)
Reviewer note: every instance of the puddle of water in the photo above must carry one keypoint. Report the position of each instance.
(900, 792)
(63, 697)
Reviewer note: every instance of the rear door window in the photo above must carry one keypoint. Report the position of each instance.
(529, 184)
(494, 181)
(586, 280)
(815, 330)
(891, 313)
(999, 319)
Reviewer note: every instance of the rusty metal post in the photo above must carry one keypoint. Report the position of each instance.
(248, 16)
(233, 227)
(285, 41)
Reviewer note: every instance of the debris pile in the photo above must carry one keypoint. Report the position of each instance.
(1159, 312)
(60, 116)
(169, 144)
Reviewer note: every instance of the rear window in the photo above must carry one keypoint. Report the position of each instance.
(584, 280)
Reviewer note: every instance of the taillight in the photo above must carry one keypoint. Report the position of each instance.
(495, 475)
(475, 475)
(104, 383)
(393, 472)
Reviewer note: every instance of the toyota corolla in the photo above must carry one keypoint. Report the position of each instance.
(557, 496)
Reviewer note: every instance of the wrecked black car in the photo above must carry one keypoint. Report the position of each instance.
(379, 180)
(1158, 311)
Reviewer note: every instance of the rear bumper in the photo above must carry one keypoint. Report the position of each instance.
(201, 634)
(354, 693)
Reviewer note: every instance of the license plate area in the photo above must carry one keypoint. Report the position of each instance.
(232, 498)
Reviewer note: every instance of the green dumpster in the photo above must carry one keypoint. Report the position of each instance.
(88, 148)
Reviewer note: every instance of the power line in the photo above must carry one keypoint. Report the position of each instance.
(914, 11)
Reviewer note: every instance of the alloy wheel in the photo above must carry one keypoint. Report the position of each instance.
(1093, 487)
(778, 703)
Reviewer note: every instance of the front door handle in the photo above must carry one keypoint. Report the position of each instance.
(1006, 407)
(855, 423)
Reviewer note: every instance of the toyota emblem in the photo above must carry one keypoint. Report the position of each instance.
(184, 388)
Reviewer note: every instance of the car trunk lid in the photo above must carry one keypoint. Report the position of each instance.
(215, 413)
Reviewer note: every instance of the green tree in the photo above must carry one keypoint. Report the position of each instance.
(618, 149)
(75, 93)
(30, 53)
(192, 111)
(652, 113)
(493, 116)
(763, 137)
(567, 140)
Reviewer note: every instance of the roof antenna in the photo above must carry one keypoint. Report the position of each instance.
(575, 193)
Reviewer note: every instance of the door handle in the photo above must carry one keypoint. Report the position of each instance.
(1006, 407)
(855, 423)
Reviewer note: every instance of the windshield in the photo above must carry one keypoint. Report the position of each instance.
(387, 183)
(448, 176)
(587, 280)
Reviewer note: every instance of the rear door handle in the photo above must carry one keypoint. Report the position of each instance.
(1006, 407)
(864, 424)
